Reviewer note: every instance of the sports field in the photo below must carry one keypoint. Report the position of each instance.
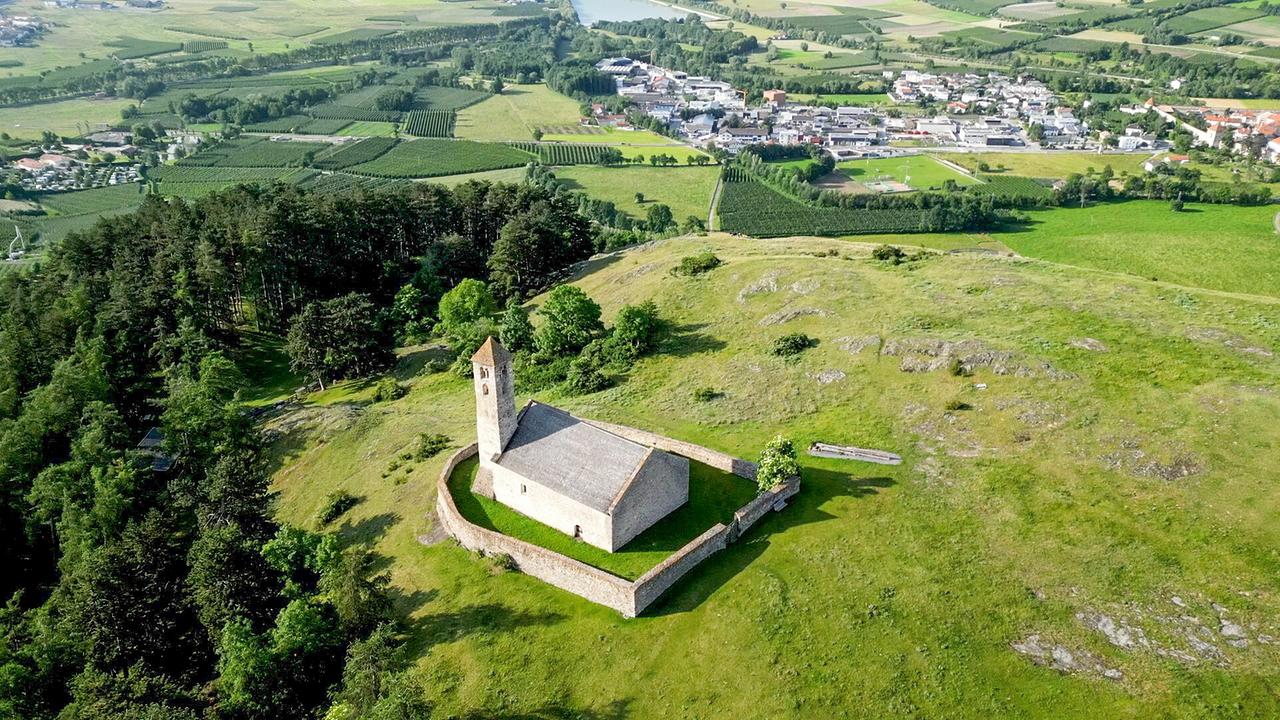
(1049, 164)
(921, 172)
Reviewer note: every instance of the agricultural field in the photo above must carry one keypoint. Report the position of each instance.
(921, 172)
(368, 128)
(686, 190)
(254, 152)
(603, 136)
(1049, 165)
(1209, 18)
(516, 113)
(446, 98)
(430, 123)
(853, 99)
(65, 117)
(1048, 498)
(431, 157)
(353, 153)
(72, 211)
(1219, 247)
(749, 207)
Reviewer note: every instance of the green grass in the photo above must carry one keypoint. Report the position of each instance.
(714, 495)
(686, 190)
(368, 128)
(919, 171)
(1221, 247)
(28, 121)
(1049, 164)
(515, 114)
(608, 136)
(879, 591)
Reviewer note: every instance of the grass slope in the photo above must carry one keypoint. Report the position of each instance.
(880, 591)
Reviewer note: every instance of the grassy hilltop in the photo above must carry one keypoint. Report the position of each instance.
(1113, 474)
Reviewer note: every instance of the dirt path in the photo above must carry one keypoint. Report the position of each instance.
(1275, 221)
(715, 203)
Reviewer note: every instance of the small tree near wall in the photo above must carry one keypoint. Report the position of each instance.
(777, 463)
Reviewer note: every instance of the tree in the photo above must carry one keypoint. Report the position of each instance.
(343, 337)
(639, 198)
(461, 309)
(659, 217)
(535, 246)
(636, 328)
(777, 463)
(570, 320)
(516, 332)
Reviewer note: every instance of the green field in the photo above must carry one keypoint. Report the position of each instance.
(686, 190)
(65, 117)
(1220, 247)
(606, 136)
(1095, 482)
(1050, 164)
(919, 171)
(429, 157)
(515, 114)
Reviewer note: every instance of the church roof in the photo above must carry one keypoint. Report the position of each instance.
(491, 353)
(576, 459)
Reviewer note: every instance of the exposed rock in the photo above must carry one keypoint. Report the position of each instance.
(1226, 339)
(1089, 344)
(826, 377)
(766, 284)
(855, 345)
(634, 273)
(804, 287)
(1041, 652)
(1131, 458)
(929, 354)
(783, 316)
(1117, 633)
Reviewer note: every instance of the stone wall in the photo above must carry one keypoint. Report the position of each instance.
(594, 584)
(550, 567)
(706, 456)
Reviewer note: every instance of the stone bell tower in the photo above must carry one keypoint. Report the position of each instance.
(495, 389)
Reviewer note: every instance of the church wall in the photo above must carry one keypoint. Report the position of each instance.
(551, 508)
(550, 567)
(661, 486)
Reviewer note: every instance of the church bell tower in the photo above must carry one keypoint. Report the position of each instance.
(495, 390)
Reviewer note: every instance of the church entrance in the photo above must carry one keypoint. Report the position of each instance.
(577, 532)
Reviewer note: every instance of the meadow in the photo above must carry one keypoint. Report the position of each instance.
(1220, 247)
(686, 190)
(1114, 477)
(919, 171)
(516, 113)
(1049, 165)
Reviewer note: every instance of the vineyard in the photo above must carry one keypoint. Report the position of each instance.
(331, 111)
(179, 174)
(343, 182)
(351, 154)
(1012, 186)
(565, 153)
(431, 157)
(438, 97)
(430, 123)
(199, 46)
(254, 153)
(749, 207)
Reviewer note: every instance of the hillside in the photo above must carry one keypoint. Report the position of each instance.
(1104, 467)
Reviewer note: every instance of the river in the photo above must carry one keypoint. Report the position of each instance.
(592, 11)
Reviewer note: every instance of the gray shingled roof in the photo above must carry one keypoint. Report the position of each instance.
(571, 457)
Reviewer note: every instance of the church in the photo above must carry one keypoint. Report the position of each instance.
(565, 472)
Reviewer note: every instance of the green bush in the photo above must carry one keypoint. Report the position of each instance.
(697, 264)
(777, 463)
(792, 344)
(957, 405)
(705, 394)
(889, 254)
(336, 504)
(430, 445)
(584, 376)
(388, 389)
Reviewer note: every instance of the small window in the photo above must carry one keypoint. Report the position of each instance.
(484, 389)
(522, 488)
(484, 373)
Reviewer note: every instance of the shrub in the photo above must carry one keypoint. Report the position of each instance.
(889, 254)
(777, 463)
(636, 328)
(705, 394)
(537, 372)
(697, 264)
(336, 504)
(430, 445)
(792, 344)
(388, 389)
(516, 332)
(957, 405)
(584, 376)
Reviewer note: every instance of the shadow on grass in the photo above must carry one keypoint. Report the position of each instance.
(820, 487)
(686, 340)
(411, 363)
(367, 531)
(484, 619)
(616, 710)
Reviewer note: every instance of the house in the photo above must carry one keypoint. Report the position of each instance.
(564, 472)
(777, 98)
(1170, 160)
